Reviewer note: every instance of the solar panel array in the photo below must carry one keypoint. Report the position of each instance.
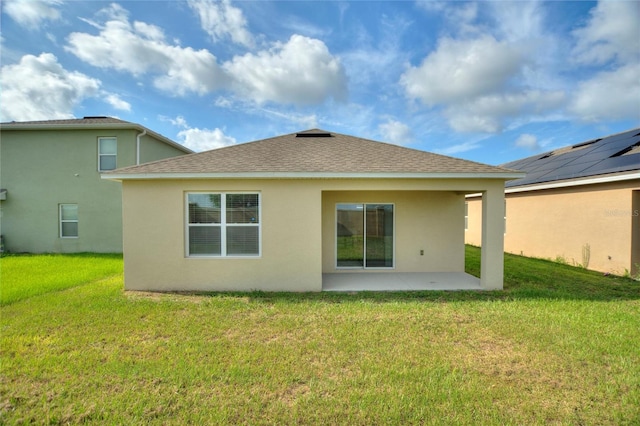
(611, 154)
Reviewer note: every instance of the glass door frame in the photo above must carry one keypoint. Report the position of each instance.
(364, 247)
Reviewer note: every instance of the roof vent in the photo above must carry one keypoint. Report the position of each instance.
(313, 135)
(94, 117)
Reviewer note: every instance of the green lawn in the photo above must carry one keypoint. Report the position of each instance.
(559, 345)
(25, 276)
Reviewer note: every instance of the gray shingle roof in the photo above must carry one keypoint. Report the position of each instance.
(611, 154)
(88, 121)
(311, 151)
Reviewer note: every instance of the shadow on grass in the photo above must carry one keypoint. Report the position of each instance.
(524, 278)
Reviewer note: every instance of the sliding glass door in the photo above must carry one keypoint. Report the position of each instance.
(364, 235)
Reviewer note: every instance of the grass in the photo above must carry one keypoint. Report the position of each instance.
(560, 345)
(25, 276)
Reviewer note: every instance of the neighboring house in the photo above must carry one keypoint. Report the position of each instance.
(52, 197)
(579, 204)
(292, 212)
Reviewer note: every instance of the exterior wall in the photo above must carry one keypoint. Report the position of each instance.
(584, 225)
(154, 250)
(297, 233)
(428, 221)
(42, 169)
(151, 149)
(635, 234)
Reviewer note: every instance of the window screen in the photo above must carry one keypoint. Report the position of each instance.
(223, 224)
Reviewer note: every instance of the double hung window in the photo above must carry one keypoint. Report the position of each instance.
(68, 220)
(107, 153)
(223, 224)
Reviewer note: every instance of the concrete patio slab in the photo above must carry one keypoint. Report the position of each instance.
(399, 281)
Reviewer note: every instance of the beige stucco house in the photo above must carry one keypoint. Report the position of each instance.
(579, 204)
(52, 198)
(300, 211)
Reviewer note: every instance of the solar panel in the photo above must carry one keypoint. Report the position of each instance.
(616, 164)
(579, 160)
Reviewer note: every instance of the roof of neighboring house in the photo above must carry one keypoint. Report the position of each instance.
(617, 153)
(313, 153)
(97, 122)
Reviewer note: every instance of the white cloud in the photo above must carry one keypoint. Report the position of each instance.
(458, 15)
(221, 20)
(179, 121)
(39, 88)
(527, 141)
(610, 37)
(458, 148)
(518, 21)
(488, 113)
(117, 102)
(305, 121)
(301, 71)
(204, 139)
(609, 95)
(141, 49)
(199, 139)
(499, 67)
(462, 69)
(32, 13)
(372, 62)
(395, 132)
(611, 34)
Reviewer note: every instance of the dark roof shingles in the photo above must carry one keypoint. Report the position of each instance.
(72, 121)
(336, 154)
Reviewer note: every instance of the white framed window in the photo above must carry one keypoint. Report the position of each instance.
(68, 214)
(221, 224)
(107, 153)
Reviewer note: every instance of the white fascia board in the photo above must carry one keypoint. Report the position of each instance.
(312, 175)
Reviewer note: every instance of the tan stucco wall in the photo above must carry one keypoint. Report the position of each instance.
(560, 223)
(39, 168)
(298, 231)
(428, 221)
(154, 239)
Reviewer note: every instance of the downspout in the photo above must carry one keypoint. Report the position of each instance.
(144, 132)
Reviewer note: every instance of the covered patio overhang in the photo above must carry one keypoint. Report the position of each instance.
(400, 281)
(428, 235)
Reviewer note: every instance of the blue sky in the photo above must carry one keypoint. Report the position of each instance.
(486, 81)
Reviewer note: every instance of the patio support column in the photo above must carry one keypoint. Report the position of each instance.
(492, 251)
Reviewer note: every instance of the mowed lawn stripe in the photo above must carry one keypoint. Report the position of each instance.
(24, 276)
